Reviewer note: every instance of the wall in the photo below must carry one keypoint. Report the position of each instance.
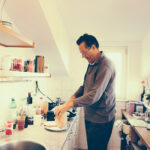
(134, 77)
(146, 56)
(58, 29)
(17, 90)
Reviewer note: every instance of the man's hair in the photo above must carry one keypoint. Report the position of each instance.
(89, 40)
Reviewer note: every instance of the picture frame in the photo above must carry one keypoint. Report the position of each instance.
(139, 108)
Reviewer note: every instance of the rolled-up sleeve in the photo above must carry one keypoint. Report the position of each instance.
(102, 79)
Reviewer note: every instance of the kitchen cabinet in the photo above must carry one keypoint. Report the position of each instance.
(76, 138)
(70, 143)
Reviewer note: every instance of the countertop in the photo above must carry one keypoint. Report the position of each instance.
(51, 140)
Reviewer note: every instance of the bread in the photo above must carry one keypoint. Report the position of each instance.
(61, 121)
(50, 124)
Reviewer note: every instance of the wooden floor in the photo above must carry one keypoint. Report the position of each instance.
(115, 140)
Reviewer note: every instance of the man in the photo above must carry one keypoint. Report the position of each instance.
(96, 95)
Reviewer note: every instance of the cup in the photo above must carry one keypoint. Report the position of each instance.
(21, 123)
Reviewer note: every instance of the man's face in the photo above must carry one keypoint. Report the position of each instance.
(87, 53)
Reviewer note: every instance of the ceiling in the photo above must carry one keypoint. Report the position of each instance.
(110, 20)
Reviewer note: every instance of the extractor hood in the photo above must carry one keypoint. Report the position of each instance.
(10, 38)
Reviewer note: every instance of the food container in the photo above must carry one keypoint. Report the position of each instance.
(9, 128)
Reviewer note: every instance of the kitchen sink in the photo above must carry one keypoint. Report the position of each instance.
(22, 145)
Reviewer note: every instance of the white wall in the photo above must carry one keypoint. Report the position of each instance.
(134, 78)
(146, 56)
(17, 90)
(57, 28)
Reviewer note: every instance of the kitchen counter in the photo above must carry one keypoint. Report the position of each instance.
(51, 140)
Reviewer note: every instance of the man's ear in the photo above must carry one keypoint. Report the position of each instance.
(93, 47)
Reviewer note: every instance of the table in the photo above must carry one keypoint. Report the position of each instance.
(138, 132)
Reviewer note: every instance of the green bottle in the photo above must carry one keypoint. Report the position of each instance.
(13, 112)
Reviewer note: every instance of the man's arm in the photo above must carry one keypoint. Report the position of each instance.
(69, 104)
(101, 82)
(79, 92)
(59, 110)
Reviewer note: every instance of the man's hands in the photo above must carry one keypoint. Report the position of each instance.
(59, 110)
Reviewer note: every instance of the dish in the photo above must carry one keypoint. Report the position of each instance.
(52, 126)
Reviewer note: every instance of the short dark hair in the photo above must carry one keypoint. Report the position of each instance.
(89, 40)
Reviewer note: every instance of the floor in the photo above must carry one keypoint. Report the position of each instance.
(115, 140)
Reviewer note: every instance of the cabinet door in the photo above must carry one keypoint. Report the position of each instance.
(74, 136)
(65, 146)
(68, 145)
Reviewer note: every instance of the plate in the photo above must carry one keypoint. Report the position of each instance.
(54, 128)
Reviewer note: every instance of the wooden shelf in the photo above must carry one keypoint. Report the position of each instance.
(13, 39)
(139, 132)
(18, 74)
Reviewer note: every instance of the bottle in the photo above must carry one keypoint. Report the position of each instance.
(45, 107)
(41, 106)
(34, 100)
(22, 102)
(41, 101)
(143, 93)
(30, 109)
(26, 122)
(29, 98)
(13, 112)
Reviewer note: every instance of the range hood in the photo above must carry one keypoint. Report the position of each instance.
(10, 38)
